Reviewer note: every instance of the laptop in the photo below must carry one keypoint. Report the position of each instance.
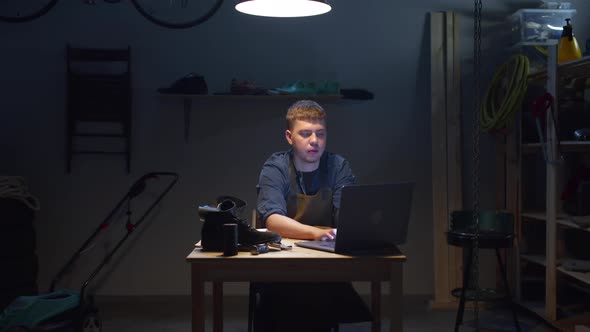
(373, 219)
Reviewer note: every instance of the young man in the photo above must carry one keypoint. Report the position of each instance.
(299, 197)
(299, 190)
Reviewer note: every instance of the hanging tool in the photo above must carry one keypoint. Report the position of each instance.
(539, 111)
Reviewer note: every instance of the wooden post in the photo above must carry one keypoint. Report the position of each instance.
(454, 138)
(551, 198)
(446, 149)
(508, 198)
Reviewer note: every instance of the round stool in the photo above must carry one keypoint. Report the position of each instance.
(496, 231)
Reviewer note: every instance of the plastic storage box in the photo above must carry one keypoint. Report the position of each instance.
(539, 25)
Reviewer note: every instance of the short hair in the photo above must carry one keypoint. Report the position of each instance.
(305, 110)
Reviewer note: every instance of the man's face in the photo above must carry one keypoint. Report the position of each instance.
(308, 139)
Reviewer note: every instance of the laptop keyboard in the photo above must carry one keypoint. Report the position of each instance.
(327, 244)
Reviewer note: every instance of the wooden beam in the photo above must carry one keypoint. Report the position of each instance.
(439, 157)
(551, 198)
(446, 150)
(454, 138)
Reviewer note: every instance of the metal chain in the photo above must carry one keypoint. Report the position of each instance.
(476, 131)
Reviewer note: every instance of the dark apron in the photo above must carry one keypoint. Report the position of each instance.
(316, 209)
(298, 306)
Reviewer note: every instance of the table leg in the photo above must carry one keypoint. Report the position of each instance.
(396, 323)
(187, 104)
(198, 303)
(217, 306)
(376, 305)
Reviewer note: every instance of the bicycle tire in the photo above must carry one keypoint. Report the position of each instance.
(181, 25)
(36, 14)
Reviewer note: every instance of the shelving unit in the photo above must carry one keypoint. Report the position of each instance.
(533, 254)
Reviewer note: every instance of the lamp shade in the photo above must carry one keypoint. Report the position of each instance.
(283, 8)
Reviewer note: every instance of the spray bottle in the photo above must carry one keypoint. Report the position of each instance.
(568, 48)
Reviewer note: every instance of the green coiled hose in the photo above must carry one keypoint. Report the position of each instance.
(495, 112)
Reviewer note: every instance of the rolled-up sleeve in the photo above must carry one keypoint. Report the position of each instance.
(272, 187)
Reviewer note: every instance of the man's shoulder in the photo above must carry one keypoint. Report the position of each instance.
(338, 167)
(275, 169)
(334, 158)
(278, 159)
(277, 162)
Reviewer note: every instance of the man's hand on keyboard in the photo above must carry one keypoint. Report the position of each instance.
(329, 234)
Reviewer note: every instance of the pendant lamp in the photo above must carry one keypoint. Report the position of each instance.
(283, 8)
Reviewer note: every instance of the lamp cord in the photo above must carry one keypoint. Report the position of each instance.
(15, 187)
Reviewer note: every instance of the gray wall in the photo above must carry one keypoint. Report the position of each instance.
(379, 45)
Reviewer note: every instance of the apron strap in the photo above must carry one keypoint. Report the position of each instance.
(315, 209)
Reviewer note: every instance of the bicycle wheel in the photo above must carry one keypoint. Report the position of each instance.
(16, 11)
(177, 14)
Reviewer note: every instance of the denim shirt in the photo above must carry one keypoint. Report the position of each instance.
(274, 183)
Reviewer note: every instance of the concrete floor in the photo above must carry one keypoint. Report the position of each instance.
(172, 314)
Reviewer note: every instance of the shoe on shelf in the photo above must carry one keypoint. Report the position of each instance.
(298, 88)
(245, 87)
(328, 87)
(359, 94)
(189, 84)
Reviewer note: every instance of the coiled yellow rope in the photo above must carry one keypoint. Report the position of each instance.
(511, 80)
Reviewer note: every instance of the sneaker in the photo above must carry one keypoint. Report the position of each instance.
(298, 88)
(328, 87)
(245, 87)
(360, 94)
(189, 84)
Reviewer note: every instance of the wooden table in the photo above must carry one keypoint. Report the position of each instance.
(298, 264)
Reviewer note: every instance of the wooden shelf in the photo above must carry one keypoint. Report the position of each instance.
(574, 69)
(229, 97)
(537, 259)
(564, 146)
(569, 324)
(187, 100)
(562, 219)
(564, 325)
(580, 276)
(537, 216)
(541, 216)
(538, 308)
(540, 260)
(579, 68)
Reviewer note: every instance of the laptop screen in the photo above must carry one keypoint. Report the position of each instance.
(372, 217)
